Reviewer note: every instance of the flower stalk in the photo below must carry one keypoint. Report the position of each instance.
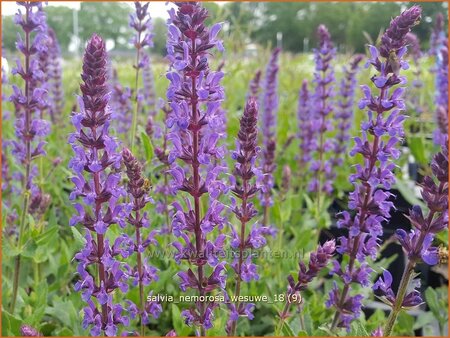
(372, 181)
(243, 188)
(140, 21)
(418, 243)
(28, 103)
(194, 95)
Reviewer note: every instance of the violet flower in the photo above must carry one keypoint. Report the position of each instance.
(95, 165)
(344, 113)
(29, 128)
(29, 331)
(370, 200)
(243, 188)
(148, 90)
(268, 130)
(413, 43)
(140, 21)
(254, 86)
(306, 135)
(143, 274)
(194, 95)
(44, 65)
(418, 243)
(437, 38)
(162, 188)
(122, 107)
(318, 260)
(441, 97)
(55, 78)
(322, 103)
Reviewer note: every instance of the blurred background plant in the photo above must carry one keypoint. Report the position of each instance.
(250, 32)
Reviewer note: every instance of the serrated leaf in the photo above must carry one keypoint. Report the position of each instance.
(432, 300)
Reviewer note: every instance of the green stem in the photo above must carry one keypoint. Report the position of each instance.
(19, 245)
(140, 272)
(407, 274)
(27, 169)
(283, 316)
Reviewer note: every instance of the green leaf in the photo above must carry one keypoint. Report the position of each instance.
(47, 236)
(358, 329)
(10, 324)
(417, 149)
(148, 147)
(287, 330)
(431, 297)
(180, 328)
(78, 237)
(408, 192)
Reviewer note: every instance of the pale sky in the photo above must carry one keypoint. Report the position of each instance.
(157, 8)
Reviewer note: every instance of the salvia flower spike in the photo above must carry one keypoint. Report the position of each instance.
(96, 178)
(268, 130)
(441, 96)
(244, 189)
(143, 274)
(55, 75)
(141, 22)
(370, 201)
(194, 95)
(318, 260)
(322, 103)
(307, 142)
(418, 243)
(414, 93)
(344, 113)
(254, 86)
(30, 128)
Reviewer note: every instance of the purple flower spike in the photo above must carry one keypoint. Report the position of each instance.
(437, 37)
(122, 107)
(143, 274)
(268, 129)
(322, 104)
(194, 96)
(245, 156)
(441, 96)
(418, 243)
(344, 113)
(148, 90)
(369, 201)
(55, 75)
(95, 166)
(140, 21)
(305, 126)
(415, 53)
(255, 86)
(318, 260)
(29, 101)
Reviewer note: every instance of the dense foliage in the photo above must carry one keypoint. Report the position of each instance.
(216, 193)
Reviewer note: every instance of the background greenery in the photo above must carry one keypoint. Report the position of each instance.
(47, 299)
(352, 24)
